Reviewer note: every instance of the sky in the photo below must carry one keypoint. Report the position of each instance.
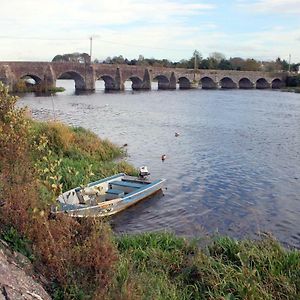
(37, 30)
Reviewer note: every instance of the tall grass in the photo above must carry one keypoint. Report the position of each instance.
(163, 266)
(83, 156)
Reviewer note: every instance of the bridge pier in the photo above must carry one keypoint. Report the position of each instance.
(146, 84)
(115, 84)
(49, 79)
(89, 80)
(7, 77)
(165, 84)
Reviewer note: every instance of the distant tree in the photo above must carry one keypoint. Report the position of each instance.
(251, 65)
(58, 58)
(84, 58)
(133, 62)
(284, 65)
(204, 64)
(118, 60)
(213, 63)
(271, 66)
(72, 57)
(183, 63)
(295, 67)
(197, 57)
(142, 61)
(107, 60)
(237, 63)
(218, 56)
(225, 64)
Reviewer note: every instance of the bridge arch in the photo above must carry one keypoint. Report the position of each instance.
(245, 83)
(24, 82)
(163, 82)
(276, 83)
(36, 78)
(184, 83)
(262, 83)
(77, 77)
(137, 82)
(227, 83)
(109, 82)
(207, 83)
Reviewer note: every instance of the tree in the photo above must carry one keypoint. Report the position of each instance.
(107, 60)
(251, 65)
(197, 59)
(213, 63)
(58, 58)
(237, 63)
(204, 64)
(72, 57)
(218, 56)
(225, 64)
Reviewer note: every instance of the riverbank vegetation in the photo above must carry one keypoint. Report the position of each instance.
(292, 84)
(23, 86)
(83, 259)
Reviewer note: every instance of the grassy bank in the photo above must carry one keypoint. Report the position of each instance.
(84, 259)
(163, 266)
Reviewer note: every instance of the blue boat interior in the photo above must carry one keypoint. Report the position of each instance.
(121, 188)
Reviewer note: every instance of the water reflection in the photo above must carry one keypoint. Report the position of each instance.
(234, 169)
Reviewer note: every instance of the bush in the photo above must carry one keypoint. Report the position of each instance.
(293, 81)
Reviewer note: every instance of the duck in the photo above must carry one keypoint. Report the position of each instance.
(176, 134)
(163, 157)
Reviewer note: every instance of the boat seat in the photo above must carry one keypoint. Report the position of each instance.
(113, 194)
(134, 185)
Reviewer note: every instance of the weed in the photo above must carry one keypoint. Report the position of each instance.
(17, 242)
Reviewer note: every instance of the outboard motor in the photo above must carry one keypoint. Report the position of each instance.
(143, 172)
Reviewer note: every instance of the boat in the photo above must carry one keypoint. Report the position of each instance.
(107, 196)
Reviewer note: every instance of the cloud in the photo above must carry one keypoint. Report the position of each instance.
(53, 13)
(272, 6)
(166, 29)
(31, 26)
(265, 44)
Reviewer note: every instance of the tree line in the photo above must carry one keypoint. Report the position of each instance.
(215, 60)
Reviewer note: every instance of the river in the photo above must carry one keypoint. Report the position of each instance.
(234, 169)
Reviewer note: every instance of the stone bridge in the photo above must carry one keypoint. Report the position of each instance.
(114, 76)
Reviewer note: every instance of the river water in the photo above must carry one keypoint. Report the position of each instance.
(234, 169)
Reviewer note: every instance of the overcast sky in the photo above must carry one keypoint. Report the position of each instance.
(173, 29)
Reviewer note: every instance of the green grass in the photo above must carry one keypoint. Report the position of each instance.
(17, 242)
(163, 266)
(83, 156)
